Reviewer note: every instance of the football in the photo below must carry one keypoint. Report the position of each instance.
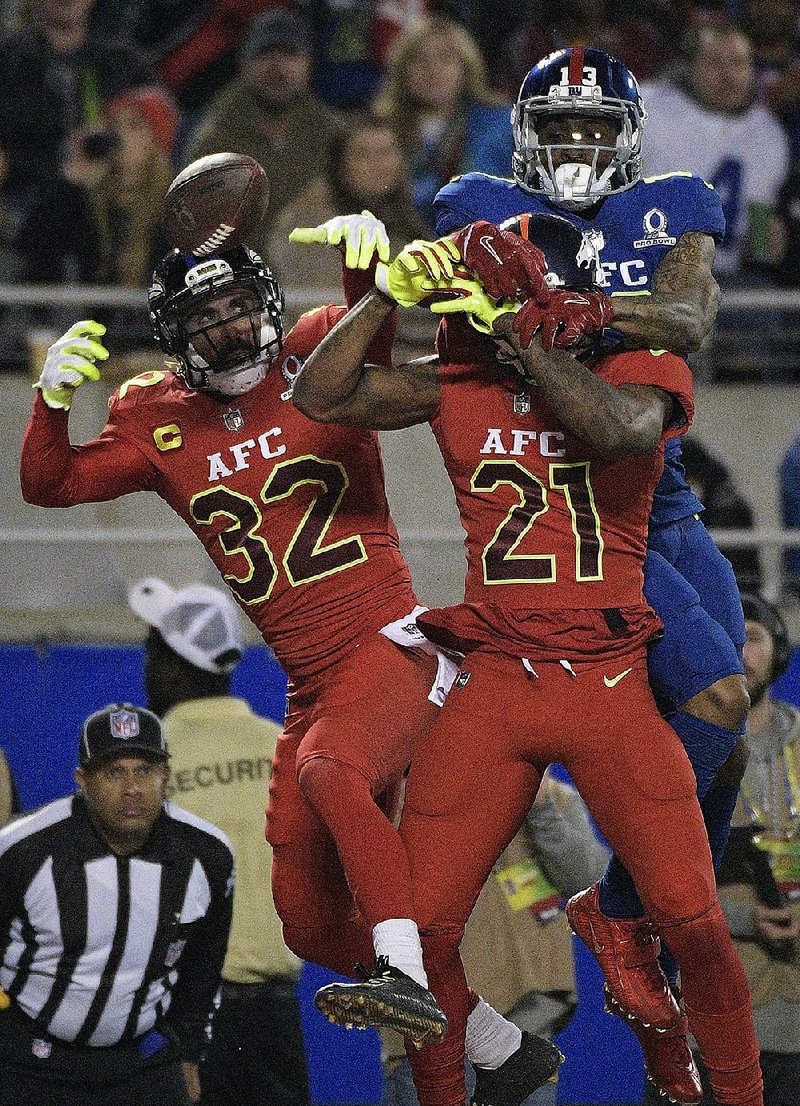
(214, 203)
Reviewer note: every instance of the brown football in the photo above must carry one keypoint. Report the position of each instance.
(214, 203)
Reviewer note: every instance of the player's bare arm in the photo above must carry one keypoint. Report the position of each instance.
(616, 421)
(336, 385)
(681, 309)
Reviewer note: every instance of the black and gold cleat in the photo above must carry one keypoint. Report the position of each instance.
(535, 1063)
(388, 999)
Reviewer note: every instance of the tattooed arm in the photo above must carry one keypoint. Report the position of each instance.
(619, 421)
(335, 385)
(680, 311)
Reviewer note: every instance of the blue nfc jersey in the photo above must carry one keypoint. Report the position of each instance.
(638, 226)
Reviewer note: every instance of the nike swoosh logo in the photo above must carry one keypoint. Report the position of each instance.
(616, 679)
(486, 242)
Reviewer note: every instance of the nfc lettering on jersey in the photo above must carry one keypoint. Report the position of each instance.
(516, 443)
(237, 456)
(633, 273)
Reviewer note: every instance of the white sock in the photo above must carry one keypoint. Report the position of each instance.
(398, 939)
(491, 1038)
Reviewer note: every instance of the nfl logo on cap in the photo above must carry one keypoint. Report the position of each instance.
(121, 729)
(125, 724)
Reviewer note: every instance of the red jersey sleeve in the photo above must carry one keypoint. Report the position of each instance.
(658, 369)
(54, 473)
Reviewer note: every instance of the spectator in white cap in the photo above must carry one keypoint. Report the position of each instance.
(221, 757)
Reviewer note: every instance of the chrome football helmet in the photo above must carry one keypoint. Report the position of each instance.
(582, 85)
(221, 318)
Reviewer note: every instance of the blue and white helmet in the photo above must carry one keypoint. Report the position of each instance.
(578, 81)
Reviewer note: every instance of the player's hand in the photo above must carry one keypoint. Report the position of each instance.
(508, 266)
(420, 269)
(471, 299)
(70, 361)
(565, 319)
(361, 237)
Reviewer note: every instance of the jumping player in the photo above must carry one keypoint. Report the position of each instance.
(294, 516)
(554, 476)
(577, 133)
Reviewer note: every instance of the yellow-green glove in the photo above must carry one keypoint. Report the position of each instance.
(362, 236)
(69, 362)
(420, 269)
(471, 299)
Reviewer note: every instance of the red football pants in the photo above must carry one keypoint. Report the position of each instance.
(473, 781)
(339, 866)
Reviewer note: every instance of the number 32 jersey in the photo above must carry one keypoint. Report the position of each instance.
(293, 513)
(555, 534)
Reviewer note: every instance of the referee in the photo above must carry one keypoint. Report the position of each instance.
(115, 909)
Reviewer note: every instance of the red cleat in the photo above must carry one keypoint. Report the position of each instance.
(668, 1059)
(627, 951)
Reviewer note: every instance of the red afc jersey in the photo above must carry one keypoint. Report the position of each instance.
(293, 513)
(555, 534)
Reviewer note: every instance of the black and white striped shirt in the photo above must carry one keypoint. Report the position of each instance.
(98, 948)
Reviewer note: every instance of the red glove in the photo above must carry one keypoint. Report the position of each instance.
(508, 266)
(565, 319)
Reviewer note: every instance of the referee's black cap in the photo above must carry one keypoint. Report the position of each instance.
(121, 729)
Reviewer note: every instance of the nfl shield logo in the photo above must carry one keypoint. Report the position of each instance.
(41, 1049)
(124, 724)
(522, 404)
(233, 419)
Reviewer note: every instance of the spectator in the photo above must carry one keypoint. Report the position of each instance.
(221, 761)
(439, 102)
(643, 36)
(269, 112)
(98, 220)
(760, 878)
(725, 508)
(517, 948)
(9, 796)
(773, 29)
(366, 169)
(115, 908)
(127, 198)
(55, 78)
(789, 493)
(704, 119)
(192, 43)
